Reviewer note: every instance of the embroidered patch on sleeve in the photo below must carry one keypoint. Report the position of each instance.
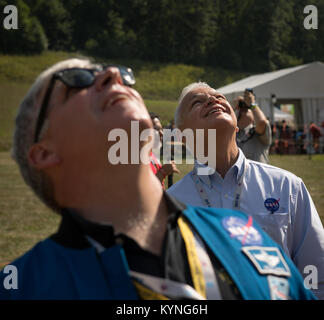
(279, 288)
(267, 260)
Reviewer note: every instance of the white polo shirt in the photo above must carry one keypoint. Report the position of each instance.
(277, 199)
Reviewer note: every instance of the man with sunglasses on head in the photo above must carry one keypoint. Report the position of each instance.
(122, 237)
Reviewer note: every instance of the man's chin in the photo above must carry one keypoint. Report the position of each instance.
(222, 122)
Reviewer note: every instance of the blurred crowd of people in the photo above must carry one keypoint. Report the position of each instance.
(308, 139)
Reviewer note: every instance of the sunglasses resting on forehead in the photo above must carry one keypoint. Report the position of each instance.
(77, 78)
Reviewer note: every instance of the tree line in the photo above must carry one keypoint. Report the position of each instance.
(254, 35)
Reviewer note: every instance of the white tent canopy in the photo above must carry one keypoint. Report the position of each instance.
(302, 86)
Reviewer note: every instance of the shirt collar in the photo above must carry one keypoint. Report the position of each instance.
(73, 227)
(239, 164)
(206, 178)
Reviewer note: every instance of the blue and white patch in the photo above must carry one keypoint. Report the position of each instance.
(272, 204)
(279, 288)
(267, 260)
(242, 230)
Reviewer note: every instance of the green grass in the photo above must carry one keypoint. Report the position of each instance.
(24, 69)
(166, 81)
(159, 84)
(24, 220)
(311, 170)
(165, 109)
(11, 94)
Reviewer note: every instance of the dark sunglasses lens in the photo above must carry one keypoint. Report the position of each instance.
(127, 76)
(78, 78)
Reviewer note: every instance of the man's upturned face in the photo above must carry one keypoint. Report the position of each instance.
(80, 119)
(205, 108)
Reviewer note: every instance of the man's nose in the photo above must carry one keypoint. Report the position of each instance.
(108, 77)
(211, 100)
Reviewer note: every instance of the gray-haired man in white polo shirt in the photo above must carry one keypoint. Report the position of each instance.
(277, 199)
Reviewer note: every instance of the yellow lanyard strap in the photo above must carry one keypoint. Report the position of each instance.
(194, 263)
(146, 293)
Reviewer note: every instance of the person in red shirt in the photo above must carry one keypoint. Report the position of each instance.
(316, 134)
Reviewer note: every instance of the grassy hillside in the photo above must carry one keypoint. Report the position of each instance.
(154, 80)
(159, 84)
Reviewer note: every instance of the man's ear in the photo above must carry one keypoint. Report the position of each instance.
(41, 156)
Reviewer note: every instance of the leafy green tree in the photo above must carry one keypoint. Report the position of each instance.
(99, 28)
(264, 35)
(89, 19)
(307, 44)
(225, 48)
(280, 35)
(56, 22)
(178, 31)
(194, 29)
(245, 35)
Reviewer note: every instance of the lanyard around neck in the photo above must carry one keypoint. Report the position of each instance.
(201, 269)
(204, 196)
(155, 288)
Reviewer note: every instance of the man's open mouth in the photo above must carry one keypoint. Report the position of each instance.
(216, 109)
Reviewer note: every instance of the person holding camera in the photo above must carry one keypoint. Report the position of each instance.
(254, 136)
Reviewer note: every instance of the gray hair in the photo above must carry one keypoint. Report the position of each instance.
(178, 117)
(24, 133)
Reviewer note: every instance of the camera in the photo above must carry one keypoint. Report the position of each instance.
(241, 104)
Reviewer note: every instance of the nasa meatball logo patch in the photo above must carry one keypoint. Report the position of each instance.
(272, 204)
(242, 230)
